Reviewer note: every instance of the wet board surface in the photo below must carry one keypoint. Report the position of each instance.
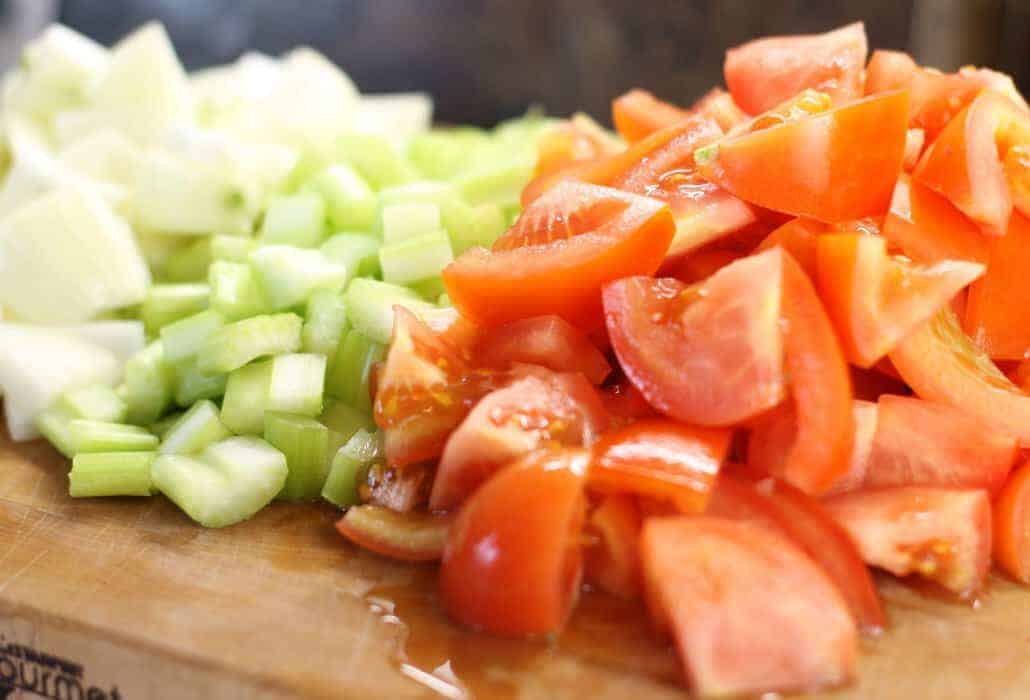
(123, 598)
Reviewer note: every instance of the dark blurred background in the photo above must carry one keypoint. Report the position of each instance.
(486, 60)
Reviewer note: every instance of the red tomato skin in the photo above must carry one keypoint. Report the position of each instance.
(889, 70)
(718, 105)
(997, 314)
(512, 563)
(928, 228)
(798, 237)
(1011, 525)
(720, 584)
(548, 341)
(638, 114)
(765, 72)
(613, 563)
(411, 536)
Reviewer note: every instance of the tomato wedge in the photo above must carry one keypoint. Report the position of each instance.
(411, 536)
(718, 105)
(798, 237)
(512, 563)
(548, 341)
(624, 401)
(699, 265)
(876, 301)
(942, 364)
(576, 139)
(889, 70)
(537, 410)
(638, 114)
(612, 563)
(943, 535)
(928, 228)
(765, 72)
(1012, 526)
(560, 252)
(721, 586)
(998, 308)
(835, 166)
(707, 355)
(661, 459)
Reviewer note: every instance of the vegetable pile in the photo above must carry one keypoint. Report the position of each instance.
(724, 361)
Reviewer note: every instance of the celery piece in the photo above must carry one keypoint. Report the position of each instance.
(370, 306)
(488, 221)
(343, 421)
(297, 220)
(235, 290)
(376, 160)
(431, 289)
(168, 303)
(195, 430)
(161, 427)
(111, 474)
(408, 220)
(466, 225)
(243, 408)
(418, 258)
(54, 425)
(192, 385)
(236, 344)
(296, 384)
(96, 402)
(189, 264)
(352, 367)
(341, 485)
(147, 388)
(358, 252)
(511, 212)
(325, 323)
(497, 183)
(232, 248)
(289, 275)
(100, 436)
(351, 203)
(305, 442)
(440, 154)
(229, 482)
(183, 339)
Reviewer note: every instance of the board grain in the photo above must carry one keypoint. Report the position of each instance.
(140, 603)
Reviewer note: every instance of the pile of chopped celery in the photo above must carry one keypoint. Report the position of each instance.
(249, 229)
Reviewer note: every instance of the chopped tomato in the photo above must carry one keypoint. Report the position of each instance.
(409, 536)
(834, 166)
(512, 563)
(997, 314)
(661, 459)
(942, 364)
(559, 254)
(624, 402)
(699, 265)
(919, 443)
(938, 97)
(1012, 526)
(915, 140)
(612, 562)
(798, 237)
(718, 105)
(721, 586)
(870, 384)
(928, 228)
(1020, 375)
(874, 300)
(765, 72)
(638, 114)
(540, 409)
(548, 341)
(401, 489)
(804, 104)
(572, 140)
(889, 70)
(943, 535)
(967, 161)
(710, 354)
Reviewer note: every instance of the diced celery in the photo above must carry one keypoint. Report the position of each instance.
(511, 213)
(431, 289)
(496, 183)
(243, 408)
(305, 442)
(408, 220)
(195, 430)
(352, 205)
(443, 153)
(352, 367)
(162, 427)
(95, 402)
(100, 436)
(487, 223)
(358, 252)
(377, 160)
(343, 421)
(193, 385)
(296, 384)
(232, 248)
(183, 339)
(111, 474)
(297, 220)
(289, 275)
(370, 306)
(189, 264)
(414, 259)
(467, 226)
(54, 425)
(238, 343)
(235, 290)
(228, 483)
(326, 322)
(444, 300)
(167, 303)
(341, 486)
(147, 389)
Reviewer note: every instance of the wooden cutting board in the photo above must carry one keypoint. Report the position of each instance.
(126, 598)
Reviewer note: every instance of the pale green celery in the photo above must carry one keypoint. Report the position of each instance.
(148, 385)
(409, 219)
(343, 421)
(235, 290)
(376, 160)
(352, 368)
(161, 427)
(325, 322)
(289, 275)
(466, 225)
(358, 252)
(195, 430)
(183, 339)
(168, 303)
(351, 203)
(370, 306)
(497, 183)
(349, 461)
(417, 258)
(296, 384)
(431, 289)
(512, 212)
(232, 248)
(440, 154)
(297, 220)
(189, 264)
(54, 425)
(192, 385)
(444, 300)
(111, 474)
(236, 344)
(243, 408)
(96, 402)
(228, 483)
(100, 436)
(305, 442)
(486, 225)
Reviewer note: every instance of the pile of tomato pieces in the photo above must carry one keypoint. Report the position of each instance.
(729, 363)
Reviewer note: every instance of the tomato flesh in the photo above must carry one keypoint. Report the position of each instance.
(928, 228)
(612, 563)
(408, 536)
(573, 140)
(638, 114)
(798, 237)
(718, 105)
(548, 341)
(889, 70)
(1012, 525)
(997, 314)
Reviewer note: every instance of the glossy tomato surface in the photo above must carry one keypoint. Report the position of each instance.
(612, 559)
(1012, 525)
(997, 313)
(410, 536)
(548, 341)
(637, 114)
(927, 228)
